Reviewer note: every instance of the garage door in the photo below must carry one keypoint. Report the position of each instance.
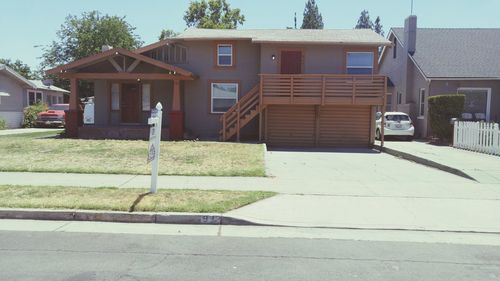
(323, 126)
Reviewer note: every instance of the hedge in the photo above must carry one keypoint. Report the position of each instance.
(441, 109)
(31, 113)
(3, 124)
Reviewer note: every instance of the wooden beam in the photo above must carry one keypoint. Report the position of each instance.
(176, 100)
(115, 64)
(133, 66)
(124, 76)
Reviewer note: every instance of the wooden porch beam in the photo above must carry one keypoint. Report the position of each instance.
(133, 66)
(124, 76)
(115, 65)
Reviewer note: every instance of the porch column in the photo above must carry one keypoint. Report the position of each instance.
(176, 115)
(72, 115)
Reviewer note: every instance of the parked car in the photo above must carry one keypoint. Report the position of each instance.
(396, 124)
(53, 117)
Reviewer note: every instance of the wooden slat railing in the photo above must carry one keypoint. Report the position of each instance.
(322, 89)
(240, 114)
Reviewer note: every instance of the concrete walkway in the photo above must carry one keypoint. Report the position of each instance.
(482, 167)
(27, 131)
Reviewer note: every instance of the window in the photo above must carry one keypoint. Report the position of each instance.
(60, 100)
(421, 103)
(115, 96)
(224, 55)
(224, 95)
(400, 98)
(34, 97)
(359, 62)
(395, 48)
(146, 97)
(477, 102)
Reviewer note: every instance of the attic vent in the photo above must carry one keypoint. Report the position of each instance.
(173, 54)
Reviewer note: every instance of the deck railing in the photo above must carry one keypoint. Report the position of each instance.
(322, 89)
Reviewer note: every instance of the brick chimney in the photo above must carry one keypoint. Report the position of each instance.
(411, 34)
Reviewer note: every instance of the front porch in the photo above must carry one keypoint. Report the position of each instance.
(126, 87)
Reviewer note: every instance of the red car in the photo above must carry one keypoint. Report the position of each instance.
(53, 117)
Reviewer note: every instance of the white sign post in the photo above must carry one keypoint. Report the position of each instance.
(154, 144)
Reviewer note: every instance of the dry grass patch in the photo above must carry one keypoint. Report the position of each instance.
(42, 152)
(116, 199)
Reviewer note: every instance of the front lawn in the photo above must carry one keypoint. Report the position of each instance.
(43, 152)
(122, 199)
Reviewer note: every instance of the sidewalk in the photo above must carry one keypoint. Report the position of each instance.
(26, 131)
(482, 167)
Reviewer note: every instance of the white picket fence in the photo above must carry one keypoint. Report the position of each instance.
(477, 136)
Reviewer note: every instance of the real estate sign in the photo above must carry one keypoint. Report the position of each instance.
(154, 144)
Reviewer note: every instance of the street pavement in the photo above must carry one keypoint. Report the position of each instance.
(79, 255)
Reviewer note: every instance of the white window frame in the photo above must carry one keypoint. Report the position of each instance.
(372, 67)
(115, 97)
(146, 97)
(488, 98)
(212, 95)
(35, 99)
(421, 103)
(225, 55)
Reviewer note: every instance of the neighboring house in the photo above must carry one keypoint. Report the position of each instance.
(284, 87)
(17, 92)
(424, 62)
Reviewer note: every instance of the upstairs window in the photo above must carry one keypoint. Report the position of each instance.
(224, 55)
(359, 62)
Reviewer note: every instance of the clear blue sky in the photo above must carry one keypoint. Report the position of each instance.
(25, 24)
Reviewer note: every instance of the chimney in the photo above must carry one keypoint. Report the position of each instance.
(411, 34)
(105, 48)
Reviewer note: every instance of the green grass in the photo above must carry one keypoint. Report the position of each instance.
(121, 199)
(44, 152)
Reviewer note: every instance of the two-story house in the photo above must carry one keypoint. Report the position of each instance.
(424, 62)
(283, 87)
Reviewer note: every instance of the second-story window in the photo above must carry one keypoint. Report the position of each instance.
(359, 62)
(224, 55)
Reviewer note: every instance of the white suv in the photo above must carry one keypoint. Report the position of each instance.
(396, 124)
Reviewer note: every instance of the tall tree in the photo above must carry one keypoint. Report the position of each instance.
(312, 17)
(378, 27)
(82, 36)
(21, 68)
(213, 14)
(167, 33)
(364, 21)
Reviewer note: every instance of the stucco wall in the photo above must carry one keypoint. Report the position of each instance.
(15, 101)
(393, 68)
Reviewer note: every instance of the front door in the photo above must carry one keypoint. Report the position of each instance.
(130, 103)
(291, 62)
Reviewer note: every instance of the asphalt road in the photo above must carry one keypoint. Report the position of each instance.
(55, 256)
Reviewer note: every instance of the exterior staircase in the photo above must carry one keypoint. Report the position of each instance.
(240, 114)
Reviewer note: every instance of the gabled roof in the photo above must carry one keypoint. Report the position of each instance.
(10, 72)
(456, 52)
(291, 36)
(113, 52)
(39, 85)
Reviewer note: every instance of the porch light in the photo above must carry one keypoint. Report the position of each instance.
(138, 79)
(116, 53)
(273, 57)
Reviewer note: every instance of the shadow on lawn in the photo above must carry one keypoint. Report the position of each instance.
(137, 201)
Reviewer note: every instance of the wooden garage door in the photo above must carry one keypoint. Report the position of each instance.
(322, 126)
(344, 126)
(290, 125)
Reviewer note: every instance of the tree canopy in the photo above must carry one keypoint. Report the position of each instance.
(364, 21)
(213, 14)
(378, 27)
(21, 68)
(312, 16)
(167, 33)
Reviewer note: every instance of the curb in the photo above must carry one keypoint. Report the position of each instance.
(125, 217)
(425, 162)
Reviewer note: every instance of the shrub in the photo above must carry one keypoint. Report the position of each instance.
(31, 113)
(441, 109)
(3, 125)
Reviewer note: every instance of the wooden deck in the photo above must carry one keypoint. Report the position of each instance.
(322, 89)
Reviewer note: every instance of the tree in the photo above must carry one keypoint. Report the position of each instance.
(364, 21)
(82, 36)
(378, 27)
(312, 17)
(167, 33)
(213, 14)
(21, 68)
